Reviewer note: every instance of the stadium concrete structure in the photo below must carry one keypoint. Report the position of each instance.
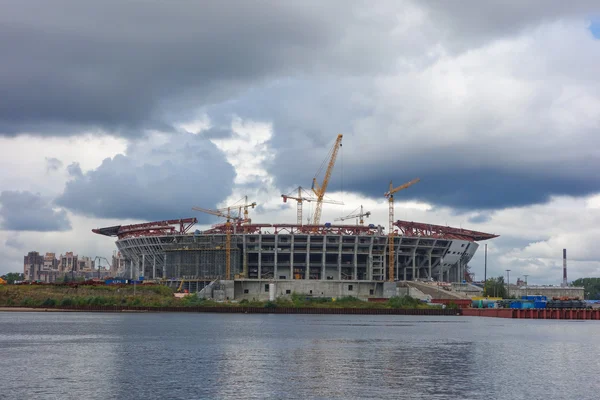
(354, 255)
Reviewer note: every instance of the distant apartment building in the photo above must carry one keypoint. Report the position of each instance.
(118, 264)
(48, 267)
(50, 261)
(85, 264)
(35, 268)
(68, 263)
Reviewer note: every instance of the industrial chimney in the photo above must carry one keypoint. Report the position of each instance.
(564, 282)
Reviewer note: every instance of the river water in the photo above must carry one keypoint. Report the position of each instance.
(214, 356)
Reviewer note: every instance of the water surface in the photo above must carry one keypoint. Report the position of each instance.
(214, 356)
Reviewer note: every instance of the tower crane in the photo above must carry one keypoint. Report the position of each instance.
(226, 213)
(390, 196)
(245, 206)
(319, 190)
(360, 215)
(300, 199)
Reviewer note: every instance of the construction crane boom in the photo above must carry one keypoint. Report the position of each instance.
(360, 215)
(390, 196)
(319, 190)
(300, 199)
(102, 258)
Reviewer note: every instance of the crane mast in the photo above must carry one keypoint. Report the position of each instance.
(320, 190)
(390, 196)
(226, 213)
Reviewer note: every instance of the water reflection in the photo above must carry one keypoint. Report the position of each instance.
(185, 356)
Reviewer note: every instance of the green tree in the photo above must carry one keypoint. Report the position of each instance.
(13, 277)
(591, 287)
(495, 287)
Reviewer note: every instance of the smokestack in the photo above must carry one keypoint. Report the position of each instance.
(564, 283)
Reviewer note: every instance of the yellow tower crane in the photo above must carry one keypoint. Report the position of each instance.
(226, 213)
(245, 206)
(390, 196)
(319, 190)
(300, 199)
(360, 215)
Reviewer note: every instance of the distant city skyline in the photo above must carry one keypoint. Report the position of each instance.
(47, 267)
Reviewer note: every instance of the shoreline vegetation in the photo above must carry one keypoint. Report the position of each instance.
(161, 298)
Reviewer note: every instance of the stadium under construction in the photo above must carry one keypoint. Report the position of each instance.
(320, 260)
(247, 260)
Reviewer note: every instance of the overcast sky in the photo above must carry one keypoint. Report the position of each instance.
(115, 112)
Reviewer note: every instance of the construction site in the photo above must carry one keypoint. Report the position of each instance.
(240, 259)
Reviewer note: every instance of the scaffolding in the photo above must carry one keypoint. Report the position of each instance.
(204, 257)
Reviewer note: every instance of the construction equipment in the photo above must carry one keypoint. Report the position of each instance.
(360, 215)
(226, 213)
(245, 207)
(300, 199)
(319, 190)
(2, 281)
(99, 258)
(390, 196)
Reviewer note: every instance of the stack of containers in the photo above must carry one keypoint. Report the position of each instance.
(536, 301)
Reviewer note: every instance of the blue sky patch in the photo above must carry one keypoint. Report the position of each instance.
(595, 29)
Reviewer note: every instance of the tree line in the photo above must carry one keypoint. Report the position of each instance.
(591, 287)
(13, 277)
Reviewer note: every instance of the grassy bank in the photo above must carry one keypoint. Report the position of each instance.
(161, 296)
(65, 296)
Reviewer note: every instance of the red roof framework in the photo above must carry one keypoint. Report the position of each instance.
(182, 226)
(157, 228)
(440, 232)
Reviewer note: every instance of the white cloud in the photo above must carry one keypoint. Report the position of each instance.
(248, 150)
(509, 98)
(23, 158)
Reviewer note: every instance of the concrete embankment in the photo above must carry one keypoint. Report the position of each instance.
(532, 313)
(435, 291)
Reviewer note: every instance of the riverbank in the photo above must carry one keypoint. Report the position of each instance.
(161, 298)
(245, 310)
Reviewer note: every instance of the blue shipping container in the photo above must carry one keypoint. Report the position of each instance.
(539, 304)
(116, 281)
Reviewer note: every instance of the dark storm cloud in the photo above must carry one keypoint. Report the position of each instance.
(74, 170)
(473, 22)
(14, 242)
(454, 185)
(53, 164)
(156, 180)
(307, 116)
(480, 218)
(26, 211)
(125, 64)
(217, 133)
